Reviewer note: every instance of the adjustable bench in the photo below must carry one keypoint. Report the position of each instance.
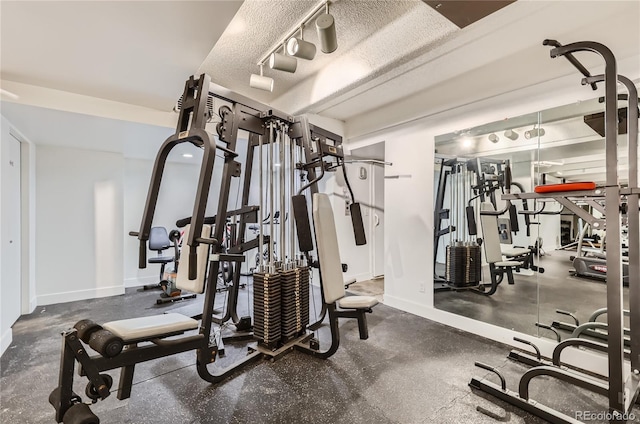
(493, 253)
(117, 345)
(331, 270)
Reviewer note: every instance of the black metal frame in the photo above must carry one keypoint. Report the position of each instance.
(622, 392)
(245, 114)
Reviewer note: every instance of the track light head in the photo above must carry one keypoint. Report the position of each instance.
(261, 82)
(494, 138)
(299, 48)
(511, 135)
(280, 62)
(326, 27)
(536, 132)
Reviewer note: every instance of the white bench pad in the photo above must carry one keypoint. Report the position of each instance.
(508, 263)
(150, 327)
(357, 302)
(515, 251)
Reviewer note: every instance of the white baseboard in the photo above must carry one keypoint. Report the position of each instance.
(584, 359)
(32, 304)
(140, 281)
(364, 276)
(5, 341)
(70, 296)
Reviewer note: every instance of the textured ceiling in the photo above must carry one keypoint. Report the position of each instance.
(373, 36)
(137, 52)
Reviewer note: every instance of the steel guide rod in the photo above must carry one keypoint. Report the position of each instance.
(282, 189)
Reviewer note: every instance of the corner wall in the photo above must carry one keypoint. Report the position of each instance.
(80, 224)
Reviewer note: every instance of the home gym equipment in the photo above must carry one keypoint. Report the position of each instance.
(125, 343)
(620, 386)
(464, 183)
(159, 241)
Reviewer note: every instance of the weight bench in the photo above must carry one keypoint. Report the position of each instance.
(123, 344)
(492, 250)
(338, 304)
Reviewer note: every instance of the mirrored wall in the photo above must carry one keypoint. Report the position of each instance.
(537, 265)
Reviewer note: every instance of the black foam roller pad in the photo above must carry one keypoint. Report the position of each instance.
(303, 226)
(358, 225)
(142, 256)
(471, 221)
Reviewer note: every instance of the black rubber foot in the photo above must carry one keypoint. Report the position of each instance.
(80, 414)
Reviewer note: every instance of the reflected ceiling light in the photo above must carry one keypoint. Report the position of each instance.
(326, 27)
(261, 82)
(533, 133)
(296, 46)
(493, 138)
(281, 62)
(187, 155)
(511, 135)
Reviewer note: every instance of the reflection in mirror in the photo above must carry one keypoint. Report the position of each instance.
(541, 264)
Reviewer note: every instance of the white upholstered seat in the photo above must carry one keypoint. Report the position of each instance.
(357, 302)
(150, 327)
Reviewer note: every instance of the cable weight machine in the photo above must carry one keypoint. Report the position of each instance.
(462, 184)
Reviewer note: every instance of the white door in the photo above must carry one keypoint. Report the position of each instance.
(10, 284)
(377, 173)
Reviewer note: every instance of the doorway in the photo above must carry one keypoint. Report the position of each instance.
(369, 161)
(10, 278)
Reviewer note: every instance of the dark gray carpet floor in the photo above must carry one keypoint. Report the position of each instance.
(410, 370)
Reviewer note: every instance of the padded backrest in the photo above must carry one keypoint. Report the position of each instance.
(328, 252)
(490, 234)
(202, 251)
(159, 239)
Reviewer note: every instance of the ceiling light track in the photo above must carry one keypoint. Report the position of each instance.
(293, 47)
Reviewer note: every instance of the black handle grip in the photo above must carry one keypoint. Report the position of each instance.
(142, 255)
(571, 58)
(209, 220)
(134, 233)
(471, 221)
(513, 217)
(193, 262)
(507, 178)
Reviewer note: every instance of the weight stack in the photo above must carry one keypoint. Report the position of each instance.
(463, 265)
(295, 302)
(266, 308)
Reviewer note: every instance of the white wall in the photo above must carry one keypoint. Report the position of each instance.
(80, 224)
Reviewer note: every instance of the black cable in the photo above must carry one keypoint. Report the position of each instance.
(346, 180)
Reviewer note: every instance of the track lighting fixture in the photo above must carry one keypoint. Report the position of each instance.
(326, 27)
(511, 135)
(297, 47)
(282, 57)
(261, 82)
(493, 138)
(534, 133)
(281, 62)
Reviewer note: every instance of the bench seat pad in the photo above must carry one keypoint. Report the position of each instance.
(508, 263)
(150, 327)
(515, 251)
(357, 302)
(161, 259)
